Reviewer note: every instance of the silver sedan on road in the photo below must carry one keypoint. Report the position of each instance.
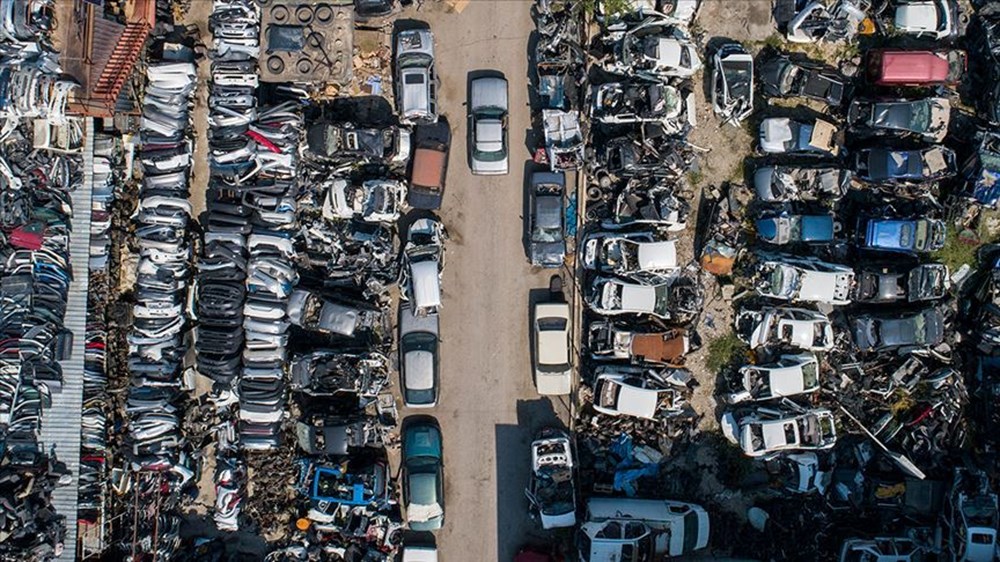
(488, 127)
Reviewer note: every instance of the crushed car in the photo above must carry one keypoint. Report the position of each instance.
(889, 283)
(635, 255)
(926, 119)
(887, 165)
(783, 77)
(550, 488)
(788, 375)
(804, 279)
(614, 341)
(619, 103)
(640, 391)
(732, 83)
(767, 432)
(674, 301)
(783, 135)
(785, 183)
(802, 328)
(653, 50)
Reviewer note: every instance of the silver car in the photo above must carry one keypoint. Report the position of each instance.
(419, 358)
(416, 83)
(488, 127)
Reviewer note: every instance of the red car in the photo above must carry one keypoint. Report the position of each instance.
(886, 67)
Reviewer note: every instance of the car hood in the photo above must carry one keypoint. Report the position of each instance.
(638, 297)
(657, 255)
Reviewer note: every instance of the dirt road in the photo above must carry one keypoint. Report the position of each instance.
(489, 409)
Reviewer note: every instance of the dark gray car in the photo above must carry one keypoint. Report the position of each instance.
(548, 226)
(898, 331)
(419, 358)
(782, 77)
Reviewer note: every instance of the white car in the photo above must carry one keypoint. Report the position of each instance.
(642, 393)
(802, 474)
(769, 432)
(415, 553)
(792, 278)
(550, 489)
(790, 375)
(637, 254)
(553, 371)
(655, 50)
(423, 263)
(622, 529)
(806, 329)
(488, 126)
(933, 19)
(675, 301)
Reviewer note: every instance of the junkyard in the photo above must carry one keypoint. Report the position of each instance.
(514, 280)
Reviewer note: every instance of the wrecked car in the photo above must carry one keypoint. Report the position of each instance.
(788, 228)
(330, 141)
(804, 279)
(796, 327)
(620, 103)
(926, 118)
(783, 135)
(416, 82)
(550, 488)
(801, 473)
(564, 142)
(930, 19)
(781, 77)
(608, 341)
(639, 392)
(887, 165)
(900, 549)
(981, 170)
(312, 312)
(673, 301)
(624, 528)
(657, 205)
(553, 371)
(547, 243)
(767, 432)
(893, 283)
(656, 51)
(890, 331)
(423, 264)
(815, 22)
(783, 184)
(378, 201)
(732, 83)
(632, 255)
(907, 236)
(789, 375)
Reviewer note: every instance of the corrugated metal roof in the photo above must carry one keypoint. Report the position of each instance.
(61, 422)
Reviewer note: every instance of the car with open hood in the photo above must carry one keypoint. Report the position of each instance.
(732, 83)
(550, 487)
(788, 183)
(889, 283)
(799, 279)
(673, 301)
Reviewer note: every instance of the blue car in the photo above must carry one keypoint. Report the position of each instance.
(884, 165)
(791, 229)
(908, 236)
(423, 475)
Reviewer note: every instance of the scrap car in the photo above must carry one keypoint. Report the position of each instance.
(613, 341)
(765, 432)
(783, 77)
(551, 489)
(804, 279)
(802, 328)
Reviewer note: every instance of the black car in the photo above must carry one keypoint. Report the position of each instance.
(897, 330)
(547, 232)
(782, 77)
(893, 283)
(923, 118)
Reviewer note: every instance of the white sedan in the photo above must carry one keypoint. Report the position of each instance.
(761, 434)
(553, 371)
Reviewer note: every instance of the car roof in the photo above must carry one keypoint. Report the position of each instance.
(654, 255)
(488, 91)
(418, 367)
(912, 67)
(638, 297)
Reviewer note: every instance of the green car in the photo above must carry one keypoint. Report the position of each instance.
(423, 476)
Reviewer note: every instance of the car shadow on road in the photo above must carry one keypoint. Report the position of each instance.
(513, 466)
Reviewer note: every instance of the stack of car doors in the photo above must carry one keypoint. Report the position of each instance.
(156, 343)
(271, 276)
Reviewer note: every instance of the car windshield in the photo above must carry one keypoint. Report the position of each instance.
(662, 300)
(552, 324)
(420, 341)
(920, 116)
(906, 235)
(777, 281)
(419, 396)
(920, 242)
(920, 329)
(691, 531)
(810, 376)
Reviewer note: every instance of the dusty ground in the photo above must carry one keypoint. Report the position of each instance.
(750, 23)
(489, 409)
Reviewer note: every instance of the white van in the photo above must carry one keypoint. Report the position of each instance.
(637, 530)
